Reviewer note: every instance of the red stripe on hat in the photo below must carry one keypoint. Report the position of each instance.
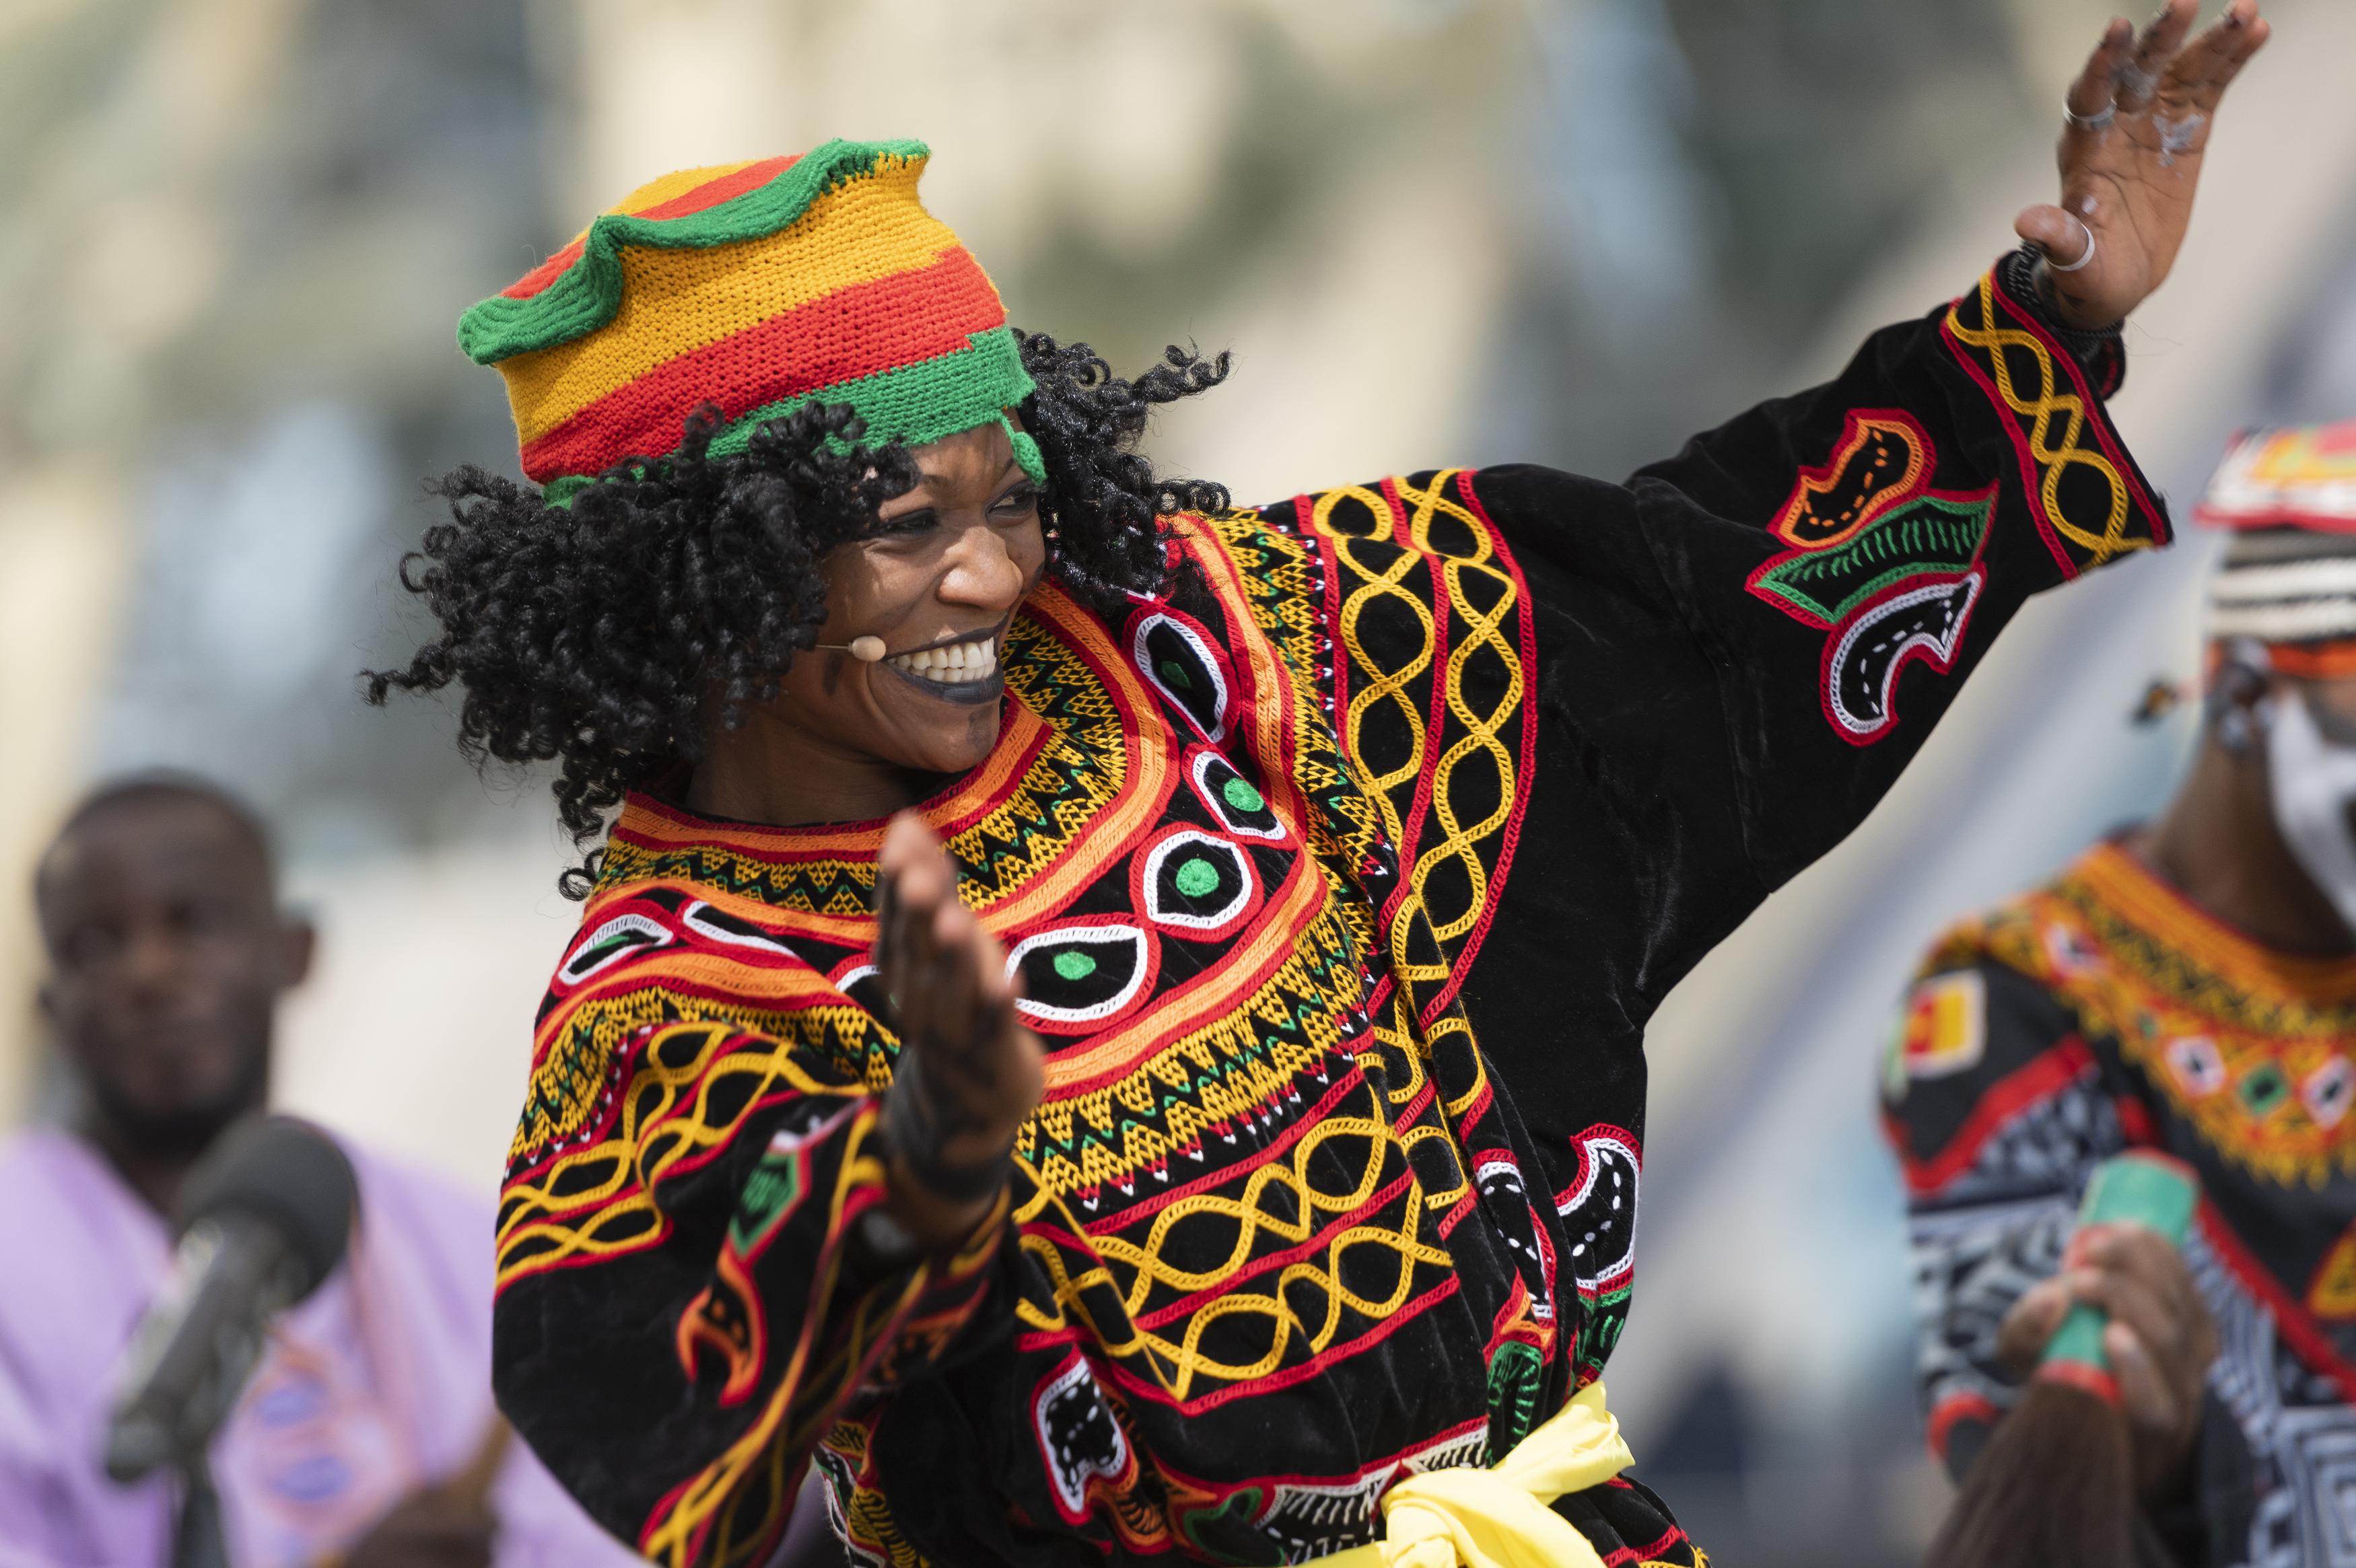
(712, 193)
(752, 176)
(854, 332)
(547, 272)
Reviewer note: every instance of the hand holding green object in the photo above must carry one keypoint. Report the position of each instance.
(2138, 1188)
(2107, 1421)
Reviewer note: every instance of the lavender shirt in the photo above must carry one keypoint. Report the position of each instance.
(377, 1383)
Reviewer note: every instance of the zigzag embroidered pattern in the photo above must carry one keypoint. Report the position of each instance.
(1201, 1084)
(2235, 1054)
(1078, 766)
(1277, 580)
(875, 1536)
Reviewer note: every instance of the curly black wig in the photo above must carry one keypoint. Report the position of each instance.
(599, 636)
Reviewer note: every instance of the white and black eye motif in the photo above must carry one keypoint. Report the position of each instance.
(1079, 1435)
(1861, 668)
(863, 982)
(1599, 1210)
(718, 925)
(1179, 663)
(1233, 799)
(1082, 974)
(1508, 1202)
(611, 942)
(1196, 882)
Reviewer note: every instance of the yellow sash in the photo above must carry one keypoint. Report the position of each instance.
(1499, 1518)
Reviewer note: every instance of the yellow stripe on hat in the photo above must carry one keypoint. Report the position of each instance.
(676, 301)
(678, 182)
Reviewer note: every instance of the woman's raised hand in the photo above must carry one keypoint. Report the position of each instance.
(968, 1071)
(2138, 120)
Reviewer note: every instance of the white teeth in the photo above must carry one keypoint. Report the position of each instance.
(952, 665)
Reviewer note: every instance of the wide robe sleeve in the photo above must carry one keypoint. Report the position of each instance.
(1730, 657)
(1740, 649)
(732, 1320)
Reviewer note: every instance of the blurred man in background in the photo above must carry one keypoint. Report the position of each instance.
(2189, 986)
(167, 954)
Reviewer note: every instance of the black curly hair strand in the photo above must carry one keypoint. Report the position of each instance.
(597, 635)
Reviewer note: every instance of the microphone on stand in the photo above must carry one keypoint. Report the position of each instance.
(262, 1219)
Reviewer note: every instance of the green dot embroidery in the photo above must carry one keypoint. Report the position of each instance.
(1239, 793)
(1197, 877)
(2263, 1089)
(1175, 674)
(1074, 964)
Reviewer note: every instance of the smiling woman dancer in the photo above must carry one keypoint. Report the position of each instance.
(1228, 1147)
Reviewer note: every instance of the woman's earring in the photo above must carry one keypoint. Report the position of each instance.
(2234, 730)
(2235, 689)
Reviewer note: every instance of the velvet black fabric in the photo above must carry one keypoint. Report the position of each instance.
(1686, 766)
(1543, 740)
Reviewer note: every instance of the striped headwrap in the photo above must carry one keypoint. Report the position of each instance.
(2289, 580)
(758, 287)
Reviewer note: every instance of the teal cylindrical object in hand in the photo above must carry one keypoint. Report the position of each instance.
(2141, 1187)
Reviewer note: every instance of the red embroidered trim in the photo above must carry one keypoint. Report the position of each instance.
(2039, 1078)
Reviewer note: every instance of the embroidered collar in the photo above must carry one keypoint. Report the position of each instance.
(2109, 880)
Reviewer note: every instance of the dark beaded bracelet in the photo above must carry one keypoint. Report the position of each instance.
(2101, 352)
(910, 1133)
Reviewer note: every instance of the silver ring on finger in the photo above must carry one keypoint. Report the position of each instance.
(2096, 121)
(2078, 265)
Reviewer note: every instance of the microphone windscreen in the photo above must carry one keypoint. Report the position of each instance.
(288, 1175)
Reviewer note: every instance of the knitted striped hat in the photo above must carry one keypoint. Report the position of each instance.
(758, 287)
(2289, 580)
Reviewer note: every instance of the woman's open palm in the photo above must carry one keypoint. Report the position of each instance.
(969, 1071)
(2139, 119)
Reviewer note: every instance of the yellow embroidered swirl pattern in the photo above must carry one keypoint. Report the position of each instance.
(599, 1200)
(2059, 435)
(1110, 1294)
(1466, 553)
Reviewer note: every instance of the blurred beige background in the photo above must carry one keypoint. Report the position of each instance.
(235, 236)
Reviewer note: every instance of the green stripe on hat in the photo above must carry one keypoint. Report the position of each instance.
(920, 402)
(586, 295)
(916, 403)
